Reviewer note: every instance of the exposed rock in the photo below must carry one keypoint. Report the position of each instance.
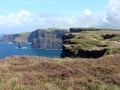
(73, 30)
(108, 36)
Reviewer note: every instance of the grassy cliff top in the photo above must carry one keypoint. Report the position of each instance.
(35, 73)
(93, 40)
(23, 37)
(53, 29)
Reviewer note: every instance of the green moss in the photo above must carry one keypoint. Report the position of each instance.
(86, 44)
(74, 51)
(23, 38)
(117, 38)
(112, 51)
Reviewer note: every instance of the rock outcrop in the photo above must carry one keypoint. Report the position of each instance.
(87, 43)
(1, 37)
(45, 39)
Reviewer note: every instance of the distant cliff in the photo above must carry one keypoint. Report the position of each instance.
(23, 38)
(40, 38)
(16, 38)
(9, 38)
(46, 39)
(90, 43)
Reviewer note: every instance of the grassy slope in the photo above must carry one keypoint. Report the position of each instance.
(35, 73)
(23, 38)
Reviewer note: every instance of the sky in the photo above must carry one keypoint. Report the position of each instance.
(29, 15)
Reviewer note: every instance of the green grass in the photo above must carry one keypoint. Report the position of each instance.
(112, 51)
(23, 38)
(117, 38)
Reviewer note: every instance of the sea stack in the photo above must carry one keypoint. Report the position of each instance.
(19, 45)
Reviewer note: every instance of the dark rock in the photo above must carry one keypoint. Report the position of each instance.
(108, 36)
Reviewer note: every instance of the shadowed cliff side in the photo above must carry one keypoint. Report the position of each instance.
(9, 38)
(46, 39)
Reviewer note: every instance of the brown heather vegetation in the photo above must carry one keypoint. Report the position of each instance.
(37, 73)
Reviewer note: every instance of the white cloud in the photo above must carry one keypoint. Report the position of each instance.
(26, 21)
(87, 12)
(112, 17)
(15, 19)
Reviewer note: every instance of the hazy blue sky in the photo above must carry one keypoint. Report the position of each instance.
(64, 7)
(28, 15)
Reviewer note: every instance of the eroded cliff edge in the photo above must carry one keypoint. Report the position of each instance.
(90, 43)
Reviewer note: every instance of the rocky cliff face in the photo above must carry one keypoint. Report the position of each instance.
(91, 43)
(46, 39)
(9, 38)
(16, 38)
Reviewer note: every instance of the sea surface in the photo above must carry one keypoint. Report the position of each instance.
(11, 49)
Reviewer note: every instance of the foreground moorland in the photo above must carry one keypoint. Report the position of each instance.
(37, 73)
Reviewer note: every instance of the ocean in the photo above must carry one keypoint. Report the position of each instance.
(11, 49)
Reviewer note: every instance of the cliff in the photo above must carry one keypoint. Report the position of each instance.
(16, 38)
(90, 43)
(23, 38)
(46, 39)
(41, 38)
(9, 38)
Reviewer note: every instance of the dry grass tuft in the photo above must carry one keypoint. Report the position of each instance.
(35, 73)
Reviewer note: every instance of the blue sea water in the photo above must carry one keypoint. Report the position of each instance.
(11, 49)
